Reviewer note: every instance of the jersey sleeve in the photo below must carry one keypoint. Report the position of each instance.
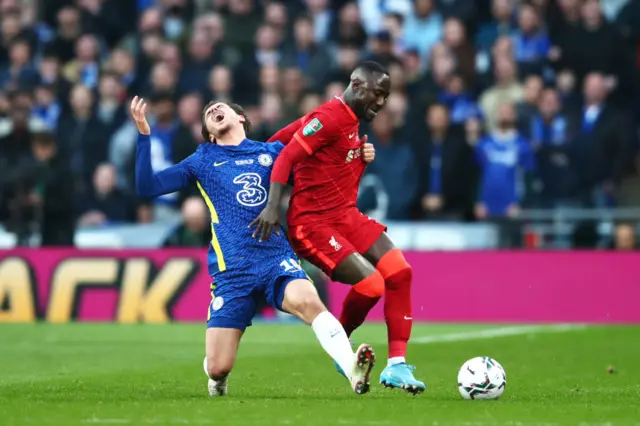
(171, 179)
(319, 130)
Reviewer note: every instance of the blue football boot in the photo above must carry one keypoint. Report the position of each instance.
(401, 376)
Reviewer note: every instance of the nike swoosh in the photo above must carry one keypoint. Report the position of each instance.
(407, 318)
(220, 164)
(351, 135)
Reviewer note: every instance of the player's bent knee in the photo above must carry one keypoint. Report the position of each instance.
(372, 286)
(217, 368)
(302, 300)
(394, 265)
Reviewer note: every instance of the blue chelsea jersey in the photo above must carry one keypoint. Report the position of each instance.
(234, 182)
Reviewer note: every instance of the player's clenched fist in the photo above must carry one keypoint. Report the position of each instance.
(138, 109)
(368, 151)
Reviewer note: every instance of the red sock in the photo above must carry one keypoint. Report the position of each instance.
(397, 302)
(360, 300)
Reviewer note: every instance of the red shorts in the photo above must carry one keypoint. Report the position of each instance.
(327, 244)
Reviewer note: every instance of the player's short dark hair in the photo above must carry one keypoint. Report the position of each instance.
(371, 67)
(238, 110)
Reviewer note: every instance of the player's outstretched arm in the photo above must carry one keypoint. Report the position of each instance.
(148, 183)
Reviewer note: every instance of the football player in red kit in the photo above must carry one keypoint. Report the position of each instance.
(325, 226)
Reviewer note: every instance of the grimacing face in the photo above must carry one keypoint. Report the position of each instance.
(219, 118)
(372, 95)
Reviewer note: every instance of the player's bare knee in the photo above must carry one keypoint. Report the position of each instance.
(308, 305)
(218, 369)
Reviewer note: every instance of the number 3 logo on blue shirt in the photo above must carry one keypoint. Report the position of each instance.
(252, 193)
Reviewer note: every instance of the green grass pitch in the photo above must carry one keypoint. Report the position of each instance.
(105, 374)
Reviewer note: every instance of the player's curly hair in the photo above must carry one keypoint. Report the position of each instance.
(238, 110)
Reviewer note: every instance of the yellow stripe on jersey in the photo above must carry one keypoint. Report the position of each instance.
(214, 220)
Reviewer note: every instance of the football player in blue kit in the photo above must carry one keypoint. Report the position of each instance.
(233, 174)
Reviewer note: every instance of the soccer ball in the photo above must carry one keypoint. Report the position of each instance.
(481, 378)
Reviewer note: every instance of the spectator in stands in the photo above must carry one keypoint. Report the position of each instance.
(123, 64)
(16, 140)
(267, 53)
(277, 16)
(423, 28)
(291, 94)
(271, 112)
(464, 54)
(85, 67)
(394, 23)
(163, 79)
(502, 155)
(374, 14)
(105, 204)
(348, 56)
(506, 90)
(37, 194)
(458, 100)
(601, 146)
(19, 72)
(189, 113)
(527, 108)
(442, 156)
(195, 230)
(52, 192)
(82, 136)
(417, 82)
(531, 43)
(442, 65)
(595, 46)
(549, 136)
(322, 17)
(221, 83)
(10, 28)
(110, 109)
(242, 24)
(49, 74)
(46, 106)
(348, 29)
(501, 24)
(394, 169)
(69, 29)
(382, 49)
(202, 56)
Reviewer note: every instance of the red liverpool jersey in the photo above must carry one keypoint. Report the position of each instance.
(326, 182)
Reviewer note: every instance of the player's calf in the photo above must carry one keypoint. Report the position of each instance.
(221, 349)
(301, 299)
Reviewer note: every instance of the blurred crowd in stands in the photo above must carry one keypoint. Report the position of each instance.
(496, 105)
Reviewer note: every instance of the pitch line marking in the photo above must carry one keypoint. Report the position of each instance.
(497, 332)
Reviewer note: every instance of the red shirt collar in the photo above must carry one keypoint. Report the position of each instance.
(349, 110)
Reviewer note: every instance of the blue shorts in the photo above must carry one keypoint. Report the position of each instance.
(236, 293)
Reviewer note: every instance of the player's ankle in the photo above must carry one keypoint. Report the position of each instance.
(396, 360)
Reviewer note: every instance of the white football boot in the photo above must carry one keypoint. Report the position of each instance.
(364, 360)
(216, 388)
